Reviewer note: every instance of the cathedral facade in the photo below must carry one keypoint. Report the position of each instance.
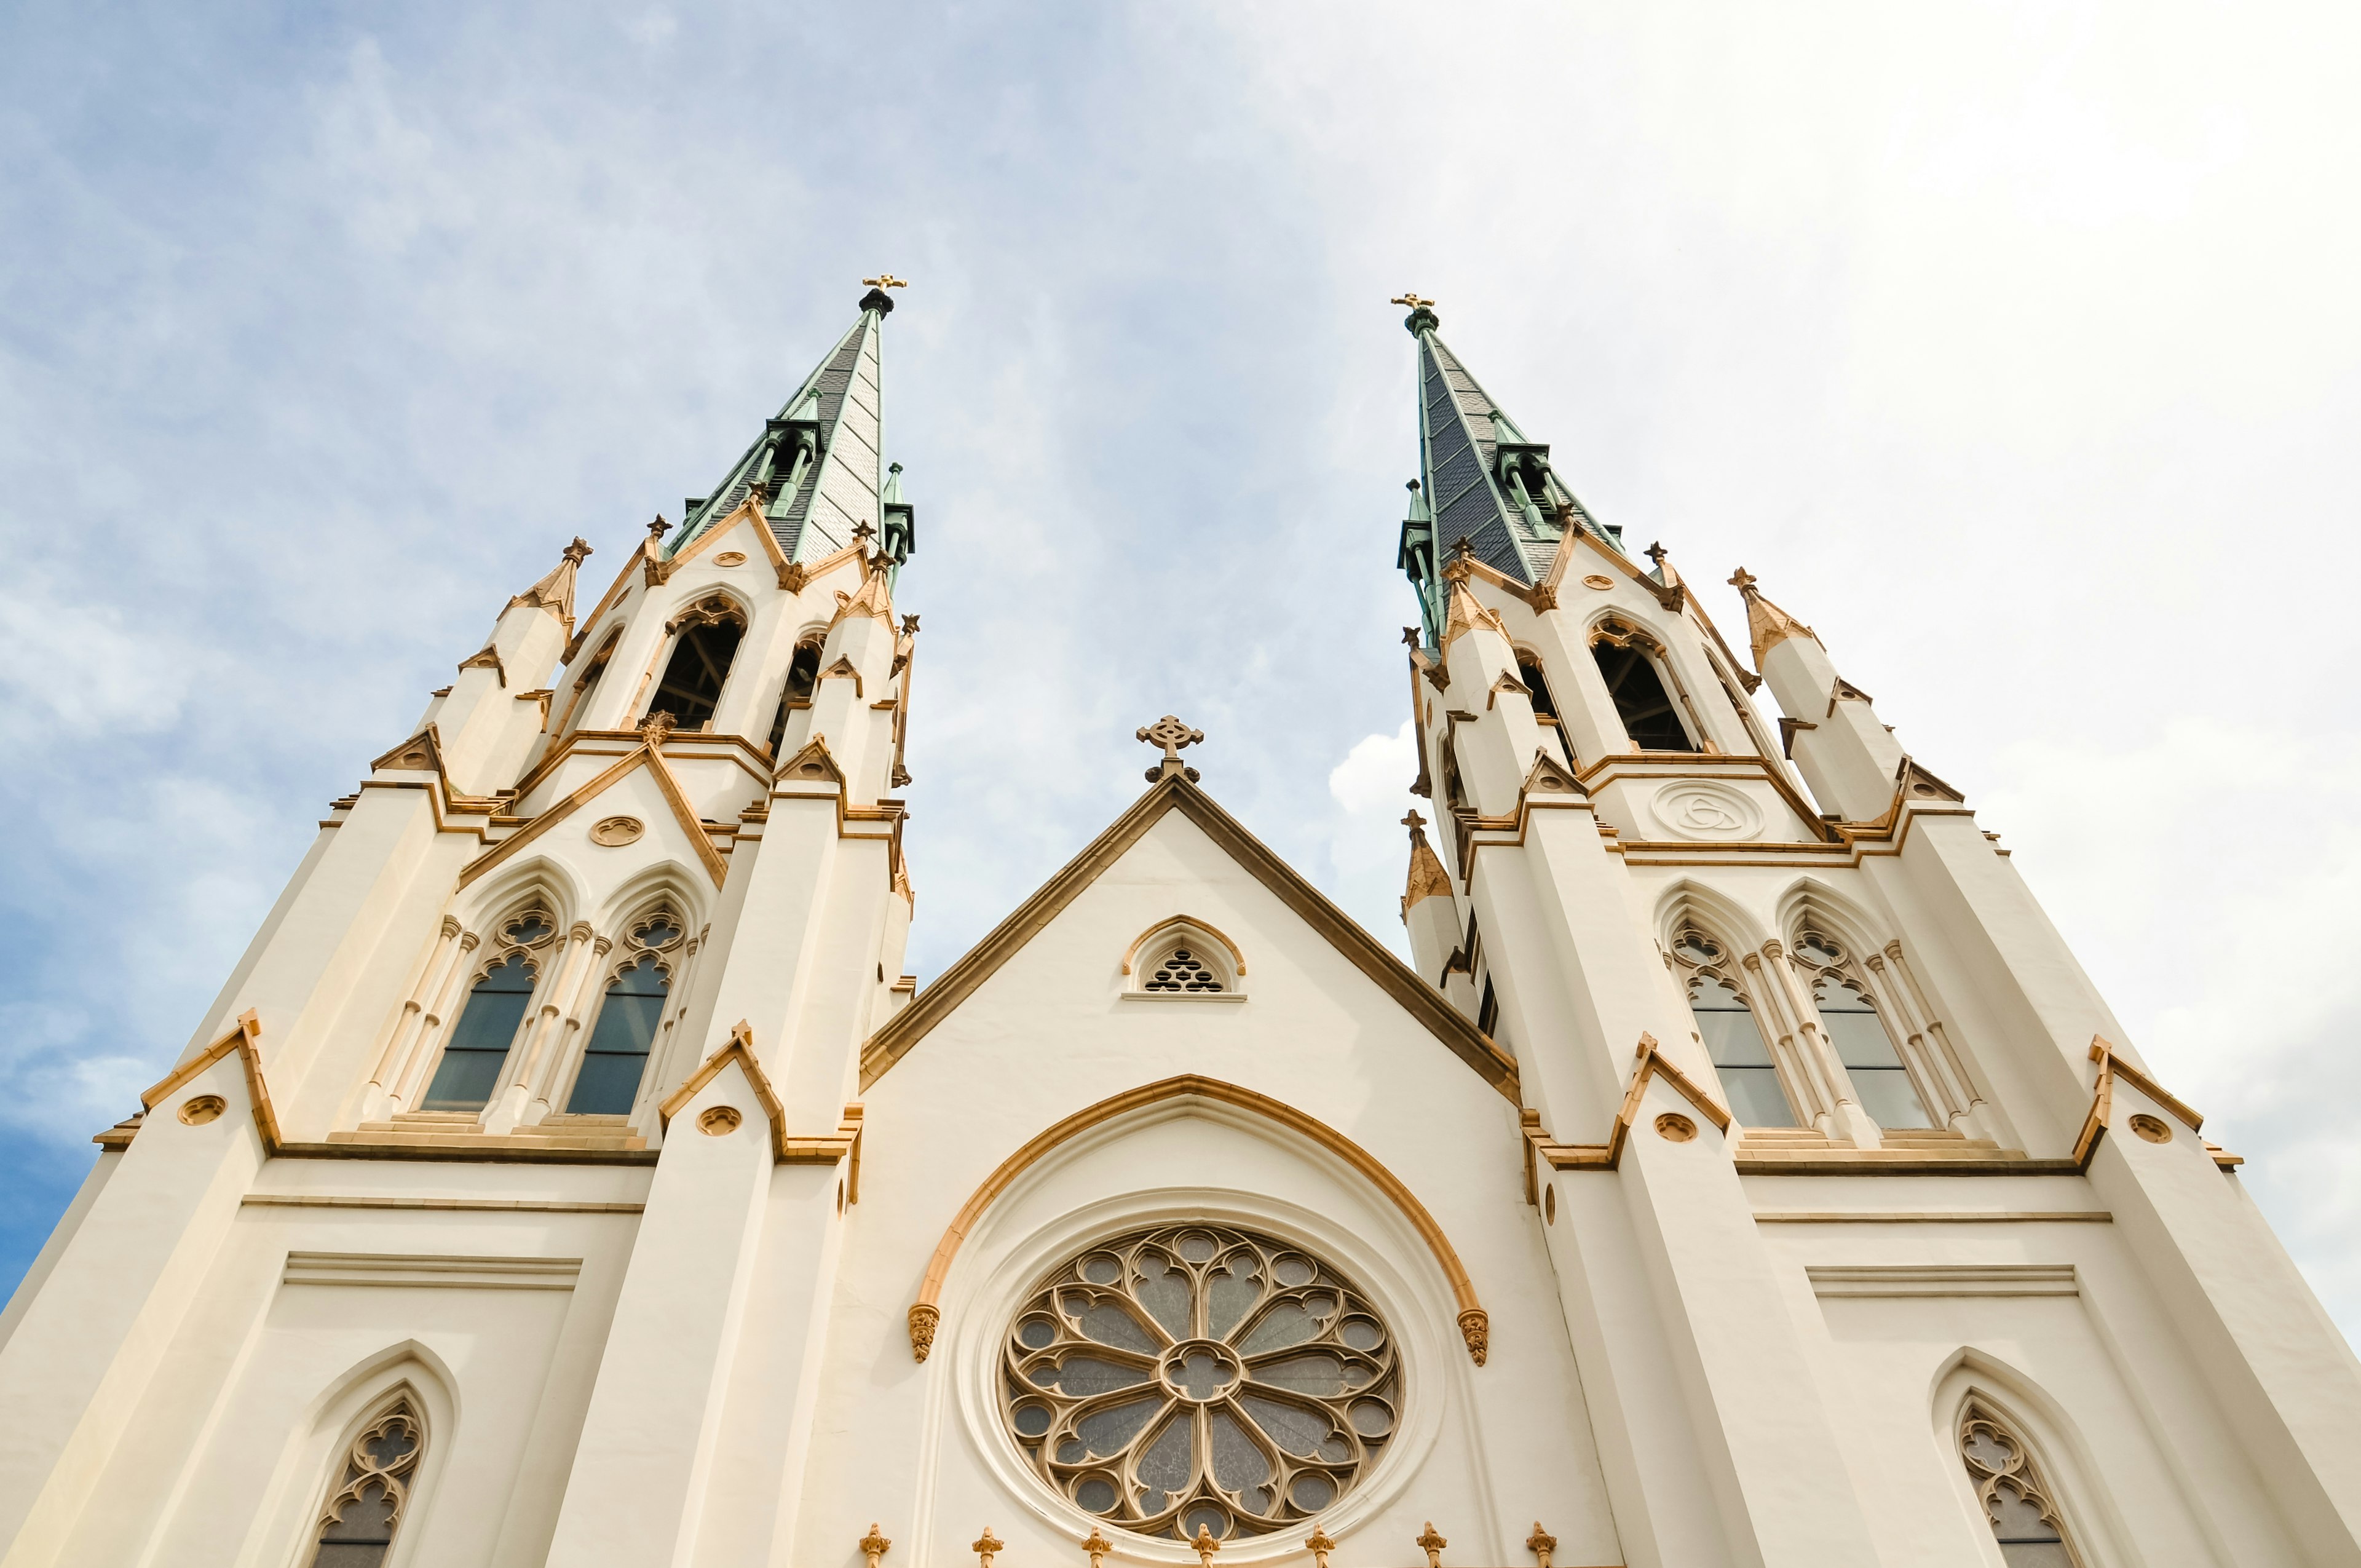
(1742, 1170)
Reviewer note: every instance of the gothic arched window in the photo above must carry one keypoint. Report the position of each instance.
(469, 1071)
(802, 679)
(1741, 1058)
(707, 636)
(1184, 970)
(616, 1056)
(2023, 1512)
(587, 682)
(357, 1524)
(1529, 670)
(1197, 1376)
(1641, 699)
(1858, 1036)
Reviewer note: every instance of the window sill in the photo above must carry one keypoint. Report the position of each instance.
(1184, 997)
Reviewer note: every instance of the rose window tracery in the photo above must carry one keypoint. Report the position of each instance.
(1200, 1375)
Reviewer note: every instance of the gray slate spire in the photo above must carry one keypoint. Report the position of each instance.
(819, 459)
(1481, 481)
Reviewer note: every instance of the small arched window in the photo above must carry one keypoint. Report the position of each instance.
(1858, 1036)
(616, 1059)
(802, 679)
(1638, 688)
(1734, 1040)
(707, 638)
(1184, 971)
(1529, 670)
(587, 682)
(357, 1525)
(2022, 1510)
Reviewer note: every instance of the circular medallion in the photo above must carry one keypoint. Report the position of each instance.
(1595, 581)
(718, 1120)
(614, 831)
(1199, 1376)
(1693, 809)
(2145, 1126)
(1673, 1127)
(730, 558)
(205, 1108)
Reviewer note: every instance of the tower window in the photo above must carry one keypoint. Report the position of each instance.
(1859, 1036)
(1529, 670)
(1740, 1059)
(2025, 1518)
(587, 682)
(616, 1056)
(470, 1069)
(803, 678)
(1488, 1012)
(1641, 699)
(357, 1525)
(707, 641)
(1182, 971)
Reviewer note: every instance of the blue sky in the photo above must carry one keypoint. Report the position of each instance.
(2012, 347)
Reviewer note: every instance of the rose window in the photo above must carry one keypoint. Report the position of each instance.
(1196, 1374)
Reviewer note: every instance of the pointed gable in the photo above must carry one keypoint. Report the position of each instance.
(1171, 795)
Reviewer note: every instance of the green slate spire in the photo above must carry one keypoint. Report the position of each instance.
(1479, 479)
(818, 461)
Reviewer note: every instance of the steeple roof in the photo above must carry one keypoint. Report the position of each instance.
(820, 460)
(1479, 479)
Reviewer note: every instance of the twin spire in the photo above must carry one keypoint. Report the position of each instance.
(1480, 479)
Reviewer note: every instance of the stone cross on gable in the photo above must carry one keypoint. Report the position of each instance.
(1171, 734)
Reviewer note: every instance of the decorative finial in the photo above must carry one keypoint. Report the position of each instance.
(658, 726)
(577, 551)
(1432, 1544)
(985, 1545)
(909, 625)
(1540, 1544)
(1320, 1546)
(863, 531)
(886, 281)
(1410, 638)
(1657, 552)
(1421, 317)
(659, 527)
(1098, 1546)
(923, 1318)
(1204, 1546)
(1413, 822)
(1407, 298)
(873, 1546)
(1171, 734)
(1741, 579)
(1411, 486)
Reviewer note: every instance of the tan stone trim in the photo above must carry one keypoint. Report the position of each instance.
(1650, 1061)
(751, 759)
(843, 1144)
(607, 602)
(2102, 1096)
(645, 754)
(1237, 958)
(1883, 1162)
(1683, 762)
(246, 1040)
(483, 1152)
(1933, 1217)
(468, 1205)
(1175, 793)
(1193, 1085)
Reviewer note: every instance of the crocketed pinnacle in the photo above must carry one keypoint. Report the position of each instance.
(554, 591)
(1767, 625)
(1481, 481)
(817, 465)
(1427, 877)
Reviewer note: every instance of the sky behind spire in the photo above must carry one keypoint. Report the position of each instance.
(2013, 348)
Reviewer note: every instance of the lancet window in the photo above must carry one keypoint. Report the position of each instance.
(630, 1014)
(1733, 1039)
(1198, 1376)
(1858, 1035)
(587, 682)
(469, 1071)
(802, 679)
(357, 1525)
(1530, 671)
(706, 639)
(1627, 659)
(2021, 1508)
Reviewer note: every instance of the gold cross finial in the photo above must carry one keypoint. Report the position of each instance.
(1320, 1546)
(1171, 734)
(874, 1545)
(986, 1545)
(1204, 1546)
(1432, 1544)
(886, 281)
(1741, 579)
(1409, 297)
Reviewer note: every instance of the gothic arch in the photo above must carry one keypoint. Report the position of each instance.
(375, 1384)
(925, 1313)
(556, 882)
(1151, 942)
(1809, 901)
(1721, 914)
(665, 880)
(1971, 1377)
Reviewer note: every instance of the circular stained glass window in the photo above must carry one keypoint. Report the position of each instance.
(1197, 1375)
